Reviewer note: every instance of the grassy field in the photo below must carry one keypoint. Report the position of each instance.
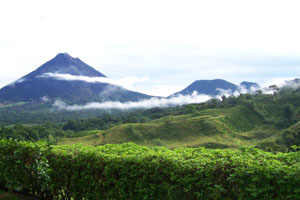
(96, 138)
(211, 128)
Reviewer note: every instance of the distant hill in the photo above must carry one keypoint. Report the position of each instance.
(208, 87)
(39, 86)
(249, 85)
(215, 87)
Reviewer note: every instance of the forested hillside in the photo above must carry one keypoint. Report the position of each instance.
(266, 121)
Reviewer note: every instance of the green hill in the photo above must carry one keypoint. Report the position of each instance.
(212, 128)
(266, 121)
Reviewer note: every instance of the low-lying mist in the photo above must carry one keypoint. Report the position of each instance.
(146, 103)
(157, 102)
(127, 82)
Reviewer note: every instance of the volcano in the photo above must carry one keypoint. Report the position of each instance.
(216, 87)
(208, 87)
(43, 84)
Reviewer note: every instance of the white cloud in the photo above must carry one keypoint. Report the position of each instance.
(108, 91)
(21, 80)
(159, 90)
(280, 82)
(127, 82)
(148, 103)
(45, 99)
(226, 93)
(284, 83)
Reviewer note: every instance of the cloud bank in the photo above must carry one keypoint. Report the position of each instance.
(127, 82)
(147, 103)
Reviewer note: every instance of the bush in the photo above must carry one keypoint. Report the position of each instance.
(289, 113)
(158, 142)
(24, 167)
(129, 171)
(133, 134)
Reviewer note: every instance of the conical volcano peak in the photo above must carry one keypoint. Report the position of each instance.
(64, 60)
(58, 79)
(63, 63)
(61, 56)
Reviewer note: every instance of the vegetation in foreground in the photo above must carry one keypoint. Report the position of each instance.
(129, 171)
(7, 196)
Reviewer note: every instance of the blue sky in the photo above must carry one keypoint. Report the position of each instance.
(161, 46)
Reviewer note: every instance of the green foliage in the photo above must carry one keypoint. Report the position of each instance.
(291, 136)
(129, 171)
(190, 109)
(8, 196)
(38, 113)
(24, 167)
(158, 142)
(133, 134)
(47, 132)
(289, 113)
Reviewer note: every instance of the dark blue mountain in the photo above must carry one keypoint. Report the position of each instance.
(208, 87)
(249, 85)
(37, 86)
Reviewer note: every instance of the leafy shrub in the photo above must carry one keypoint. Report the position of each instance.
(158, 142)
(129, 171)
(24, 167)
(289, 112)
(133, 134)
